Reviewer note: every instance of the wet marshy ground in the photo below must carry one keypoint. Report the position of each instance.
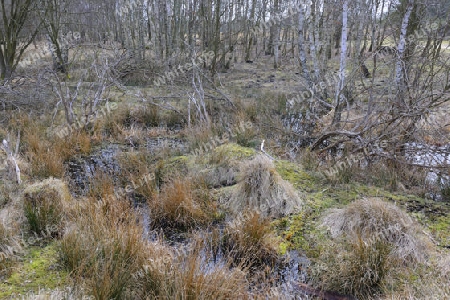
(283, 273)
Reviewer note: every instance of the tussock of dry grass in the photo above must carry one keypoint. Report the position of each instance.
(44, 205)
(217, 283)
(187, 275)
(373, 243)
(132, 123)
(372, 219)
(101, 185)
(47, 156)
(248, 241)
(198, 136)
(261, 187)
(104, 247)
(136, 171)
(182, 204)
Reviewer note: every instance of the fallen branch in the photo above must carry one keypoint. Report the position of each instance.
(327, 135)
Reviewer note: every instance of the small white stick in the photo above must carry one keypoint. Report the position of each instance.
(263, 151)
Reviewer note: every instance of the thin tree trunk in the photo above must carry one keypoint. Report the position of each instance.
(276, 27)
(313, 39)
(301, 44)
(400, 68)
(339, 98)
(216, 39)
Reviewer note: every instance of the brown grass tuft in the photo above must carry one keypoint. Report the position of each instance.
(136, 172)
(249, 242)
(372, 242)
(104, 247)
(188, 276)
(44, 204)
(182, 204)
(47, 156)
(261, 187)
(101, 185)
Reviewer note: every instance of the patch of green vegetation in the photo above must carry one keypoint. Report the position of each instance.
(168, 168)
(39, 270)
(440, 228)
(235, 151)
(296, 176)
(301, 231)
(226, 155)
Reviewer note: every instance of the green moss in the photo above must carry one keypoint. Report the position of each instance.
(167, 168)
(440, 228)
(283, 248)
(301, 231)
(296, 176)
(38, 271)
(232, 151)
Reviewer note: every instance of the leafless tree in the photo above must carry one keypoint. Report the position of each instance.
(18, 28)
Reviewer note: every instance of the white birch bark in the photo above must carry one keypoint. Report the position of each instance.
(342, 65)
(301, 43)
(313, 39)
(399, 64)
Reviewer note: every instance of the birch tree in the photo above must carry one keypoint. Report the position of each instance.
(276, 29)
(339, 97)
(301, 43)
(400, 69)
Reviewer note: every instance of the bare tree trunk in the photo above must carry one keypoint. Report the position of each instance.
(249, 31)
(301, 44)
(339, 98)
(276, 29)
(313, 39)
(216, 40)
(270, 46)
(400, 67)
(14, 16)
